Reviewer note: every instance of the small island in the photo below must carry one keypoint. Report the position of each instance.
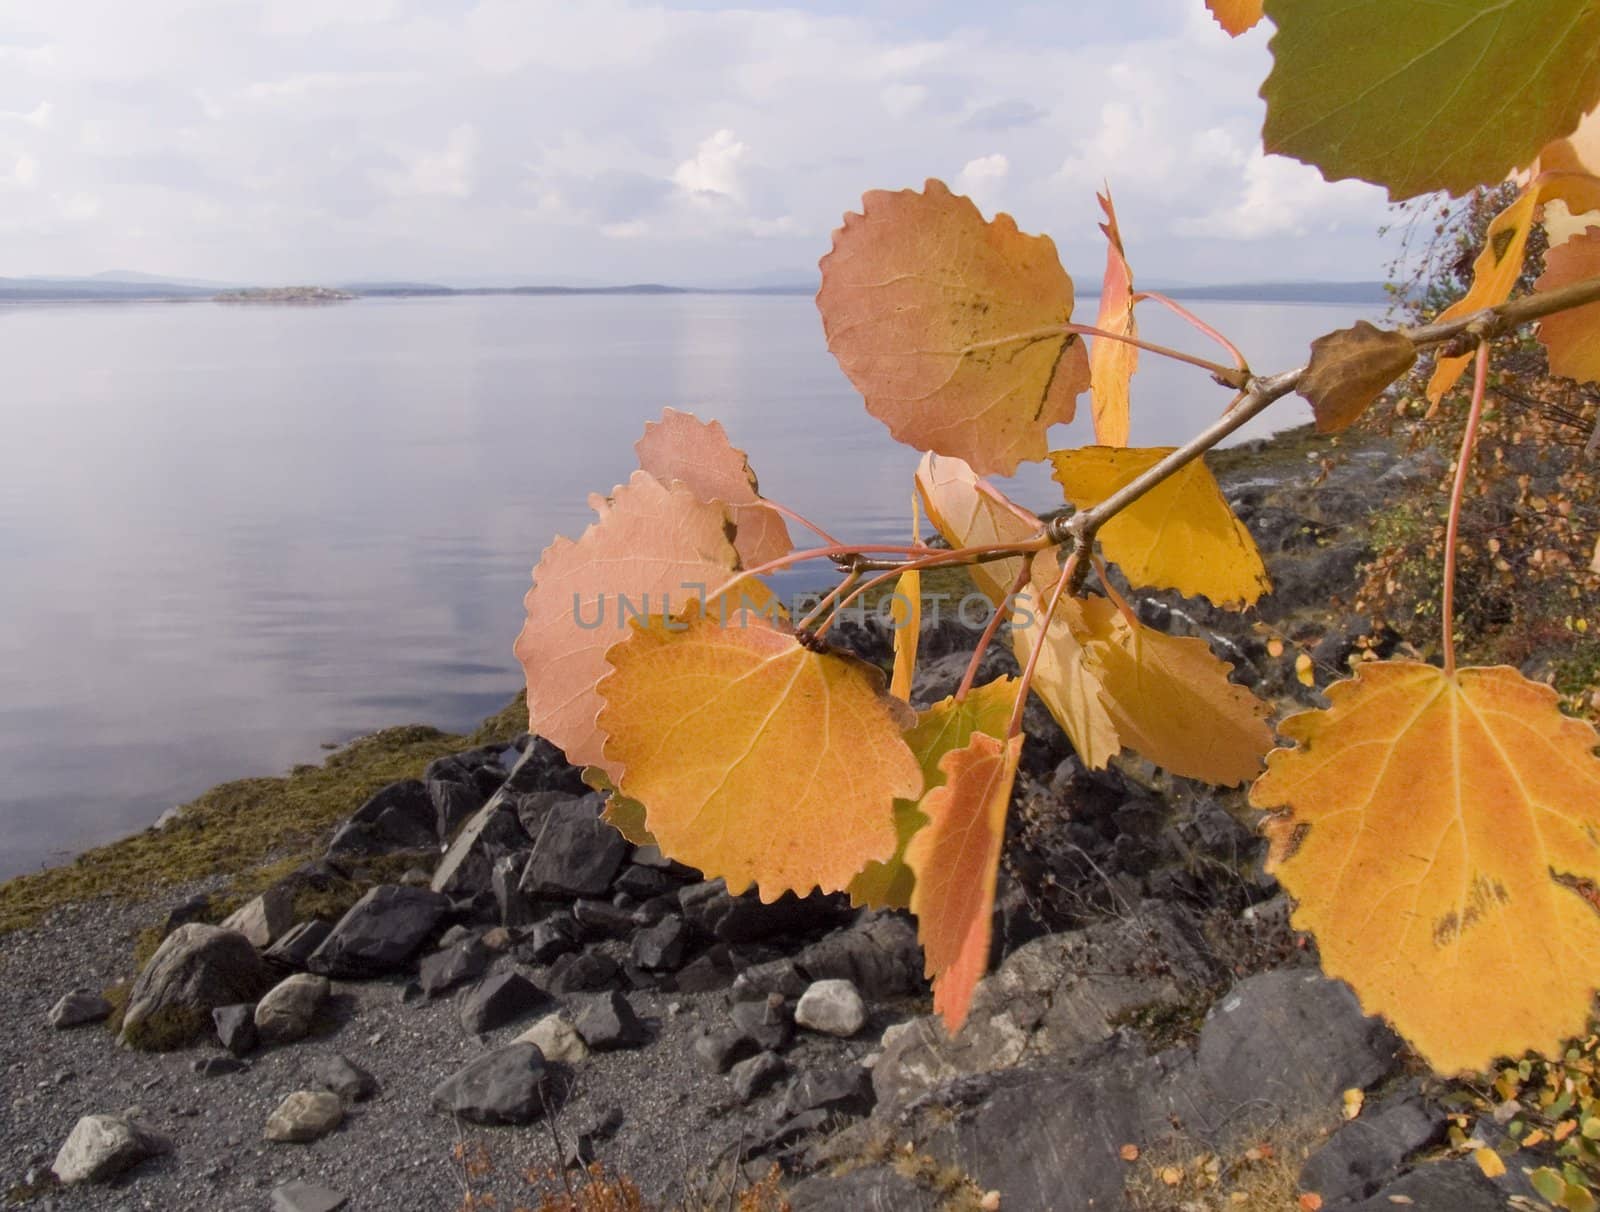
(284, 294)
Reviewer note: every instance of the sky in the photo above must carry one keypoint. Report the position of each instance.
(608, 141)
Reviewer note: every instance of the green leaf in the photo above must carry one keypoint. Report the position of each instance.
(1449, 95)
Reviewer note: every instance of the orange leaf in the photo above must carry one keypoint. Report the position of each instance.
(1310, 1201)
(970, 512)
(945, 726)
(681, 447)
(906, 615)
(1235, 16)
(1349, 369)
(756, 759)
(1158, 689)
(1129, 1153)
(950, 327)
(1112, 363)
(1064, 679)
(649, 546)
(1438, 834)
(956, 858)
(1573, 337)
(1180, 535)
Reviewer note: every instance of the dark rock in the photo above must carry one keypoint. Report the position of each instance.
(789, 1130)
(581, 973)
(878, 953)
(754, 1077)
(703, 974)
(453, 803)
(543, 767)
(491, 833)
(344, 1077)
(380, 933)
(79, 1007)
(651, 856)
(846, 1091)
(196, 969)
(643, 883)
(399, 817)
(479, 769)
(510, 1085)
(1451, 1186)
(191, 909)
(218, 1066)
(654, 910)
(444, 970)
(514, 908)
(575, 853)
(768, 1024)
(873, 1189)
(660, 947)
(745, 919)
(581, 1152)
(534, 808)
(599, 919)
(500, 999)
(1366, 1150)
(236, 1028)
(759, 981)
(294, 949)
(719, 1049)
(549, 939)
(608, 1023)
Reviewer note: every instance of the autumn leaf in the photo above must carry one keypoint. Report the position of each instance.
(951, 327)
(1572, 338)
(969, 512)
(906, 617)
(1342, 72)
(757, 759)
(1490, 1162)
(681, 447)
(1063, 678)
(650, 545)
(1235, 16)
(1112, 363)
(1169, 699)
(1349, 370)
(1438, 834)
(1180, 535)
(943, 727)
(956, 858)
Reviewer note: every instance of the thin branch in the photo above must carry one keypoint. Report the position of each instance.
(1069, 574)
(1197, 322)
(987, 637)
(795, 516)
(1227, 374)
(1495, 321)
(1480, 380)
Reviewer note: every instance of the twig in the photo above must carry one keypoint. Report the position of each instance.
(1480, 380)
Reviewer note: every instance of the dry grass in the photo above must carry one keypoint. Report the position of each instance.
(1261, 1175)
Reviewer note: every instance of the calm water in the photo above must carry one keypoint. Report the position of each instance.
(228, 534)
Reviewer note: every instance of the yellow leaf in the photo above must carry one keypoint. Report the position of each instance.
(1440, 832)
(1063, 679)
(1235, 16)
(1172, 1176)
(650, 544)
(1156, 687)
(1180, 535)
(956, 858)
(946, 726)
(905, 609)
(1572, 338)
(1353, 1100)
(1489, 1162)
(970, 512)
(1303, 671)
(1275, 648)
(950, 326)
(1112, 363)
(756, 759)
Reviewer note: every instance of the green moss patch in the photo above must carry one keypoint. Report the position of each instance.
(252, 830)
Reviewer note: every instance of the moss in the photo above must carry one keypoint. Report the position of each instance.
(117, 995)
(167, 1030)
(241, 826)
(1164, 1025)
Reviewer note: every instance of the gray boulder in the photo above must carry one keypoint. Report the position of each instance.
(380, 933)
(79, 1007)
(510, 1085)
(100, 1147)
(287, 1011)
(575, 853)
(264, 919)
(196, 969)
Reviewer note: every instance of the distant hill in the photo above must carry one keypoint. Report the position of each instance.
(44, 290)
(1285, 292)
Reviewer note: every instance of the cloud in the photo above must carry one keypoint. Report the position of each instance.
(714, 170)
(445, 173)
(981, 178)
(1283, 197)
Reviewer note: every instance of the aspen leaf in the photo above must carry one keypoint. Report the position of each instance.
(950, 326)
(1349, 370)
(1064, 679)
(1482, 86)
(1129, 1153)
(1235, 16)
(956, 858)
(906, 614)
(757, 759)
(649, 546)
(1490, 1162)
(969, 512)
(1572, 338)
(681, 447)
(1170, 699)
(1442, 830)
(1180, 535)
(1112, 363)
(943, 727)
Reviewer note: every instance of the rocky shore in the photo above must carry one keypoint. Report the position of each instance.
(476, 990)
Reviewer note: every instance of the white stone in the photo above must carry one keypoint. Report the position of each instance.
(102, 1146)
(557, 1039)
(265, 919)
(833, 1007)
(304, 1116)
(286, 1013)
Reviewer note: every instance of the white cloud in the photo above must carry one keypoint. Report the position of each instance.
(714, 169)
(446, 173)
(38, 116)
(981, 179)
(24, 173)
(1283, 197)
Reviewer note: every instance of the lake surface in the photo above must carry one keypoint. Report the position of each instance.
(228, 534)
